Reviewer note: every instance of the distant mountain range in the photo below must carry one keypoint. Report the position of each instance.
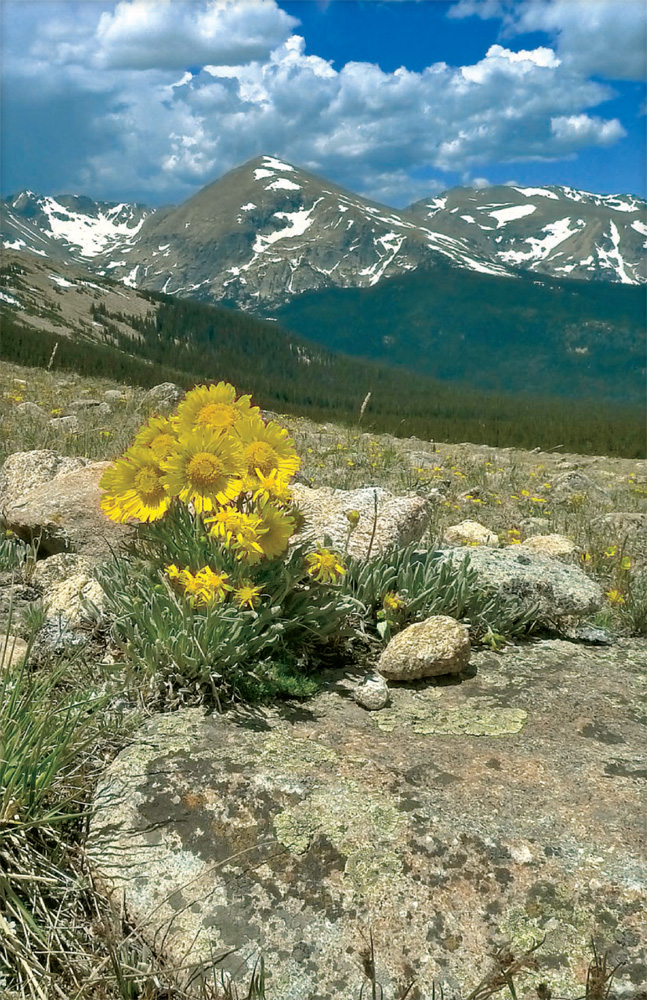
(267, 232)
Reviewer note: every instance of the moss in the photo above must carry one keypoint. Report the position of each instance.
(364, 827)
(468, 720)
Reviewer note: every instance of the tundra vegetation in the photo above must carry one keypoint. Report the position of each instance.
(215, 560)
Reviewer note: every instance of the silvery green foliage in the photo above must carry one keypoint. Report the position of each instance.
(217, 652)
(430, 584)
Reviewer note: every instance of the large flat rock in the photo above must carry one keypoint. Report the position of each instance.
(507, 804)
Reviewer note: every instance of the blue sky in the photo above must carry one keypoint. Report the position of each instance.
(397, 100)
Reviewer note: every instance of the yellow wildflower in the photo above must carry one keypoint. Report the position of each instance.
(271, 487)
(134, 488)
(615, 597)
(160, 436)
(213, 408)
(392, 602)
(206, 470)
(324, 566)
(247, 595)
(267, 447)
(277, 528)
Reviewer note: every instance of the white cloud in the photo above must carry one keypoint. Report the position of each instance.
(583, 130)
(607, 38)
(164, 131)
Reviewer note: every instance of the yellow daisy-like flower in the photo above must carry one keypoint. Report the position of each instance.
(247, 595)
(172, 571)
(270, 487)
(213, 408)
(135, 488)
(615, 597)
(160, 435)
(206, 470)
(205, 586)
(324, 566)
(392, 602)
(277, 528)
(246, 542)
(267, 447)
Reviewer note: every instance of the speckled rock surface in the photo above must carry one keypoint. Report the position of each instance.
(400, 519)
(509, 805)
(162, 398)
(560, 591)
(555, 546)
(78, 599)
(65, 515)
(470, 533)
(372, 693)
(25, 470)
(439, 645)
(55, 569)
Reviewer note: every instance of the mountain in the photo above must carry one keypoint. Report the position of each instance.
(267, 232)
(531, 335)
(69, 228)
(549, 230)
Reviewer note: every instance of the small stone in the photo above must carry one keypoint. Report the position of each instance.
(77, 405)
(555, 546)
(32, 410)
(113, 396)
(162, 398)
(470, 533)
(68, 424)
(439, 645)
(372, 694)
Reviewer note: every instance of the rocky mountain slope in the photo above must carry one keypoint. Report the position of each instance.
(70, 227)
(267, 232)
(551, 230)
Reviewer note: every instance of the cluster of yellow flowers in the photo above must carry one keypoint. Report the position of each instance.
(217, 455)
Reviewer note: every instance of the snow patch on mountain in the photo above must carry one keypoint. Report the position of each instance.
(505, 215)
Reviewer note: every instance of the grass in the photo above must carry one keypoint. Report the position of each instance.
(62, 720)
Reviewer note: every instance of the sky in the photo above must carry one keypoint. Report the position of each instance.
(397, 100)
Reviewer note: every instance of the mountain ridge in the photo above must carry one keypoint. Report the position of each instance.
(268, 231)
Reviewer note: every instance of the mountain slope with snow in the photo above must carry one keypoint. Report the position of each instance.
(267, 232)
(550, 230)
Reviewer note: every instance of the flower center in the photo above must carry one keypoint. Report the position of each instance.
(148, 485)
(217, 415)
(261, 455)
(163, 445)
(205, 469)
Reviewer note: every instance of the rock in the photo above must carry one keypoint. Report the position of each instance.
(589, 634)
(79, 599)
(55, 569)
(78, 405)
(569, 483)
(69, 424)
(560, 591)
(112, 396)
(400, 520)
(627, 524)
(372, 694)
(33, 411)
(534, 525)
(162, 398)
(13, 651)
(555, 546)
(56, 638)
(470, 533)
(25, 470)
(439, 645)
(66, 517)
(507, 806)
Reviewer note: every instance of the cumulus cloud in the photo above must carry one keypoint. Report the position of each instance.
(606, 38)
(191, 89)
